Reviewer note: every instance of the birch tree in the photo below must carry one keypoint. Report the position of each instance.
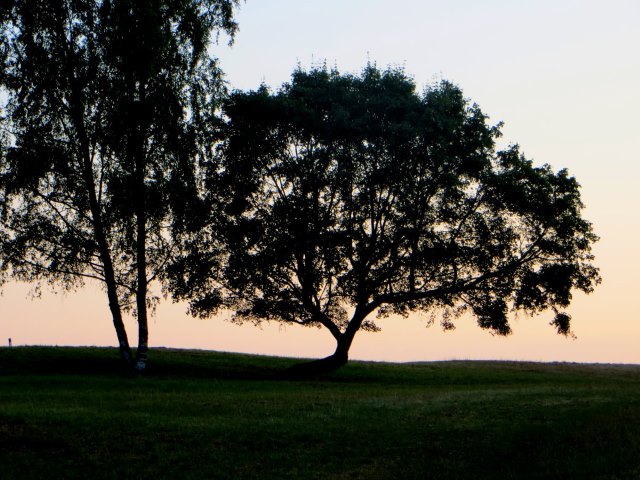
(111, 104)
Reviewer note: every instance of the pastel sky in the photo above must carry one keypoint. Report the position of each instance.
(564, 76)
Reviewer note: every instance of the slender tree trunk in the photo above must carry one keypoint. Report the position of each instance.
(141, 236)
(107, 263)
(77, 118)
(141, 293)
(103, 248)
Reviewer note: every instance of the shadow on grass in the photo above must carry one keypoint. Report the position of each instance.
(68, 411)
(202, 364)
(163, 362)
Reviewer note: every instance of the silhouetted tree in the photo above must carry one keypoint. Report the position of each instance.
(354, 195)
(111, 103)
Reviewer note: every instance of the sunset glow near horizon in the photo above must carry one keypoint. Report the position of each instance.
(564, 77)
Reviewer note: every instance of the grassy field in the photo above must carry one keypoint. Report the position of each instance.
(72, 413)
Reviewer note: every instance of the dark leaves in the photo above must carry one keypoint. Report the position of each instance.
(562, 322)
(111, 107)
(354, 192)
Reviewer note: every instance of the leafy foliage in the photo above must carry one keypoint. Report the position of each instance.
(353, 194)
(110, 104)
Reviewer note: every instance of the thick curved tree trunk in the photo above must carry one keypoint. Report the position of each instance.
(339, 358)
(316, 367)
(325, 365)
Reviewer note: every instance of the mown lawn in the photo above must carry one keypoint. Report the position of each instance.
(72, 413)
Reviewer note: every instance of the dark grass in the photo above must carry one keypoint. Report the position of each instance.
(73, 413)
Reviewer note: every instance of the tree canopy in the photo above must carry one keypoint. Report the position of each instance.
(354, 196)
(111, 105)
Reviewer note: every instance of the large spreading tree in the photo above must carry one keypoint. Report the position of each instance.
(353, 197)
(110, 105)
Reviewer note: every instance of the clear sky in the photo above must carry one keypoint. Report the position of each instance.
(564, 76)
